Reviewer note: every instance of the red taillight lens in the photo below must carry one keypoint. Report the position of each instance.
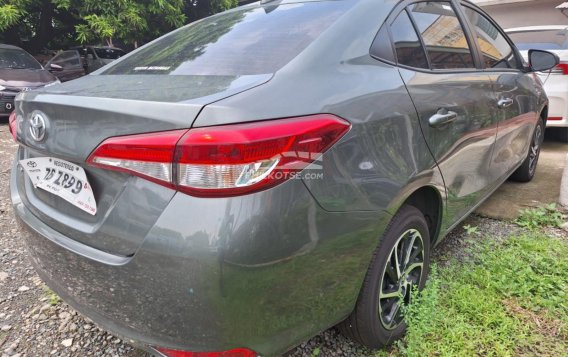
(148, 155)
(13, 125)
(239, 352)
(562, 68)
(224, 160)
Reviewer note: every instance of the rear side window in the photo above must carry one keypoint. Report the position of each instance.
(258, 40)
(67, 59)
(496, 51)
(109, 53)
(444, 38)
(409, 51)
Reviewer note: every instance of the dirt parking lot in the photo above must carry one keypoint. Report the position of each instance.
(34, 322)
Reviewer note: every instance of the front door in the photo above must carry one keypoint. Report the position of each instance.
(517, 106)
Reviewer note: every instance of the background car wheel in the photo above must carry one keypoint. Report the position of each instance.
(526, 171)
(399, 266)
(562, 134)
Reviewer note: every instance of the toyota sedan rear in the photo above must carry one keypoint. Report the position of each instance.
(256, 177)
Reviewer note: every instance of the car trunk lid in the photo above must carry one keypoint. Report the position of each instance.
(80, 115)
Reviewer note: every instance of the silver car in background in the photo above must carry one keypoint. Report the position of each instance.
(256, 177)
(553, 38)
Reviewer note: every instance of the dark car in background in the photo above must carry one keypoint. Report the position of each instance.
(256, 177)
(79, 61)
(19, 71)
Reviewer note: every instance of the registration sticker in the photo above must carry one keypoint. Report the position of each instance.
(62, 178)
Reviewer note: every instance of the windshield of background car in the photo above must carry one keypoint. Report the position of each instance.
(109, 53)
(17, 59)
(541, 40)
(251, 41)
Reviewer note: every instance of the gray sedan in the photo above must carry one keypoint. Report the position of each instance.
(253, 178)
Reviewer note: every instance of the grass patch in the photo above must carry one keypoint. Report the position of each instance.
(534, 218)
(510, 299)
(53, 298)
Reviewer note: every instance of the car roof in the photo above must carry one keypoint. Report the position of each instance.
(2, 45)
(537, 28)
(103, 47)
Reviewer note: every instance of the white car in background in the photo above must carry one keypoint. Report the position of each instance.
(554, 39)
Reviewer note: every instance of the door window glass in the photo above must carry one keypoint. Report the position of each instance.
(496, 51)
(444, 38)
(409, 51)
(67, 59)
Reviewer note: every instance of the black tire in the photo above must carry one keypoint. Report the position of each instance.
(526, 171)
(562, 134)
(369, 322)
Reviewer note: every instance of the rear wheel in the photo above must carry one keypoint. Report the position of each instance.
(526, 171)
(399, 267)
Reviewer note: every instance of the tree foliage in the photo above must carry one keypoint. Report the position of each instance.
(39, 24)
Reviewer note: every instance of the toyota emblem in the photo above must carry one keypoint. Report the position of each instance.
(38, 127)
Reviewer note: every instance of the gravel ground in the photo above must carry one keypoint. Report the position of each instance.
(34, 323)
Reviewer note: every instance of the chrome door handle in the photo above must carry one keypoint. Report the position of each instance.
(505, 102)
(443, 117)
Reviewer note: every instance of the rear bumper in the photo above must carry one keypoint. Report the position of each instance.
(556, 88)
(263, 271)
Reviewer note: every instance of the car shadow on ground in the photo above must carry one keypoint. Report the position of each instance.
(544, 189)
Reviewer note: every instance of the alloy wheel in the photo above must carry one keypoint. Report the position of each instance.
(402, 274)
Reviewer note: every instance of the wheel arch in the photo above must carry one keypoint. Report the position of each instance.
(429, 201)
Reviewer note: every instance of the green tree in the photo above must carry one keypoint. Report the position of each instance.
(37, 24)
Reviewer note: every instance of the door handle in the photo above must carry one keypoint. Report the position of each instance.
(505, 102)
(443, 117)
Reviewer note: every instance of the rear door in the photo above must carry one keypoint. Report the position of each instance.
(453, 97)
(516, 101)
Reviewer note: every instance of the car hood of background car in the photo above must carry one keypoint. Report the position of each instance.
(20, 78)
(159, 88)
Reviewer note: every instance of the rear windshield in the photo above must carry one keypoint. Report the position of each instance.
(17, 59)
(109, 53)
(250, 41)
(541, 40)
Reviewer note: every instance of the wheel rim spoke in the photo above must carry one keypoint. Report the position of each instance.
(397, 261)
(392, 316)
(389, 295)
(409, 246)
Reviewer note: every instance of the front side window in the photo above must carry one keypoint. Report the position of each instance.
(496, 51)
(409, 51)
(444, 38)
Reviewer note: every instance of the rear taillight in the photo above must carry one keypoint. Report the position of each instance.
(239, 352)
(561, 68)
(223, 160)
(13, 125)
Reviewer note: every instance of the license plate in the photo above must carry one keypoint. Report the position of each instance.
(63, 179)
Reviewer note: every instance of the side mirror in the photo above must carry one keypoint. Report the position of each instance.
(55, 68)
(542, 60)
